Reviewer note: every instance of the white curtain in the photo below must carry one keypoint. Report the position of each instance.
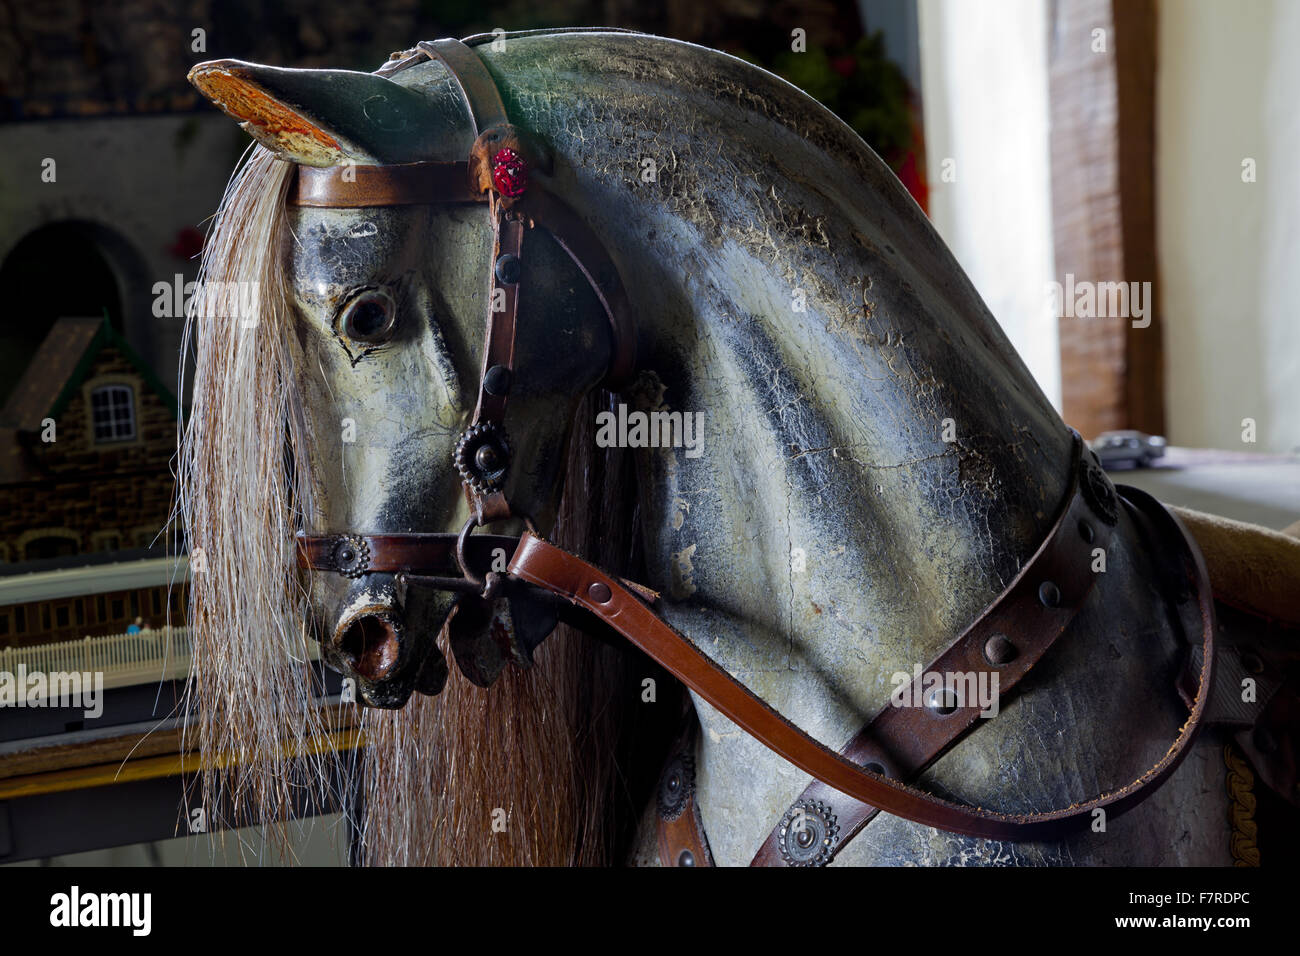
(984, 95)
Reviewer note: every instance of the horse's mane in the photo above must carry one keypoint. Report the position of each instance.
(249, 692)
(539, 745)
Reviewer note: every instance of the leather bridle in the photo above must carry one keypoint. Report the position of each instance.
(874, 768)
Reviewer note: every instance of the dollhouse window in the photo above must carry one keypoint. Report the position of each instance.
(112, 409)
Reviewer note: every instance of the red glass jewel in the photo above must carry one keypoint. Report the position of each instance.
(509, 173)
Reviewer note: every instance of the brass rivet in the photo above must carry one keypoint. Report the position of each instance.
(497, 380)
(507, 269)
(998, 650)
(943, 701)
(686, 859)
(599, 592)
(1049, 594)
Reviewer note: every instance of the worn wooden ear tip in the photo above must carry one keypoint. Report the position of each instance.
(233, 87)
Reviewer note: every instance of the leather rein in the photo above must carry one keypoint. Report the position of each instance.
(871, 772)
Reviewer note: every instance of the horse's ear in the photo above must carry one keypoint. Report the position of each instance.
(322, 117)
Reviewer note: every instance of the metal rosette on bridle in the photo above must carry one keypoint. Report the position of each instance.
(351, 555)
(482, 457)
(808, 834)
(676, 786)
(1098, 491)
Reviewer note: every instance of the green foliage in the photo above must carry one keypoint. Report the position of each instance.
(859, 84)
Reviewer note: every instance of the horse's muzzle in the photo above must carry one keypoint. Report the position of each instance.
(386, 640)
(371, 644)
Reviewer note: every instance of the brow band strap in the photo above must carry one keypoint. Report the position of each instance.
(404, 184)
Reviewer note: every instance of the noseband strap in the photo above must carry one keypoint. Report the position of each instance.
(433, 558)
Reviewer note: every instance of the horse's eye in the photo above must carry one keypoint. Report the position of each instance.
(369, 317)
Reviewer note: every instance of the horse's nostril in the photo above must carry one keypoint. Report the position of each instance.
(371, 643)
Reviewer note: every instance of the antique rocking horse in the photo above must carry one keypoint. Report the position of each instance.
(451, 256)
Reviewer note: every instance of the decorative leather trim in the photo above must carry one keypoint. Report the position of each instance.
(1099, 491)
(404, 553)
(473, 440)
(351, 555)
(401, 184)
(681, 832)
(676, 785)
(1240, 784)
(808, 834)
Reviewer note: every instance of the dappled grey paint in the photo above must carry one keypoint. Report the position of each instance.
(828, 536)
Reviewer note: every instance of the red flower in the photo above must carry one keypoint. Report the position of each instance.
(845, 65)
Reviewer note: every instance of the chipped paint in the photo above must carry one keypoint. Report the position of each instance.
(272, 123)
(683, 573)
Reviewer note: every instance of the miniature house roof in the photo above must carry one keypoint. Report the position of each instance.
(52, 378)
(60, 365)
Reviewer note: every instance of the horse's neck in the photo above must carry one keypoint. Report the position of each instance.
(875, 462)
(825, 537)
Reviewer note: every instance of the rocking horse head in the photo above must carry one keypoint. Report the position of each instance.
(396, 259)
(448, 256)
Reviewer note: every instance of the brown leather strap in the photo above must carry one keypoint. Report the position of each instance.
(403, 184)
(1002, 645)
(681, 832)
(499, 339)
(496, 376)
(357, 554)
(538, 562)
(475, 82)
(575, 237)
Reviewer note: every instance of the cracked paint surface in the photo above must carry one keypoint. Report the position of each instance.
(823, 434)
